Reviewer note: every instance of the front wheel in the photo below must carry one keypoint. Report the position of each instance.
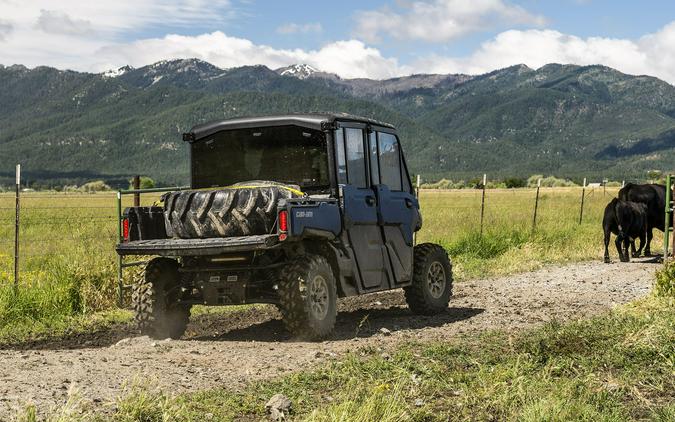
(431, 286)
(308, 297)
(155, 301)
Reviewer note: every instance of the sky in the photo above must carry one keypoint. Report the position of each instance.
(375, 39)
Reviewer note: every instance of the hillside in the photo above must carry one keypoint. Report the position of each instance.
(66, 126)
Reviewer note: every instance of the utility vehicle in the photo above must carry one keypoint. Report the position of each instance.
(293, 210)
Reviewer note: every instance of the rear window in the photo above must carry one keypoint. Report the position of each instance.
(286, 154)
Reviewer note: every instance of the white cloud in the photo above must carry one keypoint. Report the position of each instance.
(55, 22)
(440, 20)
(5, 28)
(294, 28)
(351, 59)
(89, 36)
(652, 54)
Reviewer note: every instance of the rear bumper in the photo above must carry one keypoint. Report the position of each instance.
(197, 247)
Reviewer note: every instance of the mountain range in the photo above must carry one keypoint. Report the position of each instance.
(564, 120)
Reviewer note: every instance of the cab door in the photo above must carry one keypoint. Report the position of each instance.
(398, 208)
(360, 207)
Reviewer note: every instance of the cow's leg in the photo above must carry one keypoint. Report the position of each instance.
(607, 236)
(633, 252)
(619, 247)
(648, 251)
(626, 245)
(643, 240)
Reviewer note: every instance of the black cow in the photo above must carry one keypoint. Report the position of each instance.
(654, 196)
(628, 221)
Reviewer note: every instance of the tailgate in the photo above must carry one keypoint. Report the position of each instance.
(195, 247)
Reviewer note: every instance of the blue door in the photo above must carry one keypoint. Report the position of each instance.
(398, 208)
(361, 218)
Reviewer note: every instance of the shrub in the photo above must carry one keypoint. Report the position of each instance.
(514, 182)
(665, 281)
(95, 186)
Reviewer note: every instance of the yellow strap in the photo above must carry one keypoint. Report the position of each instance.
(295, 191)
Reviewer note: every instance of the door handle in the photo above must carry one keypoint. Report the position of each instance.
(370, 201)
(408, 202)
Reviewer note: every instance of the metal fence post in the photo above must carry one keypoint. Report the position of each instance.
(668, 213)
(536, 206)
(417, 195)
(482, 204)
(583, 194)
(16, 228)
(120, 282)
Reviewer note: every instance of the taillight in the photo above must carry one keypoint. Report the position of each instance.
(125, 230)
(283, 221)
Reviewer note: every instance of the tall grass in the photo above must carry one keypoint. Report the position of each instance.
(68, 264)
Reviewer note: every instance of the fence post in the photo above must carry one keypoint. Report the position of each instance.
(536, 206)
(668, 213)
(16, 229)
(120, 261)
(482, 204)
(137, 196)
(583, 194)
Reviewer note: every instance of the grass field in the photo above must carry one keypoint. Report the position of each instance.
(68, 265)
(617, 366)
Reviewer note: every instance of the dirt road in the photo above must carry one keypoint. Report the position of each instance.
(230, 350)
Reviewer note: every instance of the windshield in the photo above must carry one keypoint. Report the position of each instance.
(285, 154)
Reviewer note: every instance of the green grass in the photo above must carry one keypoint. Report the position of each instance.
(615, 367)
(68, 265)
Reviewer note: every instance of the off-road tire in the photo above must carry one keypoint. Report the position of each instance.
(296, 302)
(427, 295)
(156, 311)
(227, 212)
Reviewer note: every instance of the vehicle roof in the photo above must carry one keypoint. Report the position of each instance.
(309, 120)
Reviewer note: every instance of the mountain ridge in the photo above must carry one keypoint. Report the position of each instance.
(567, 120)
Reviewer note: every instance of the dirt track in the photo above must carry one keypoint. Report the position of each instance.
(228, 351)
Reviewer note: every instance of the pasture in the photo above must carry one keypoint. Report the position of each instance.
(68, 265)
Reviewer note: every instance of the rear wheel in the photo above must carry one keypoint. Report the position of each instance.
(431, 287)
(155, 301)
(308, 297)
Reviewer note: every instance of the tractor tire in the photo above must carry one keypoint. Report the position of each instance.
(308, 297)
(156, 311)
(240, 210)
(431, 286)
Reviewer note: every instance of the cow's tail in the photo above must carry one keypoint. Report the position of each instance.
(618, 222)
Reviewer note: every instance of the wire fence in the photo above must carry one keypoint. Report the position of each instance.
(66, 229)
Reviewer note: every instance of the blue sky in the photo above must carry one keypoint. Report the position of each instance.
(378, 39)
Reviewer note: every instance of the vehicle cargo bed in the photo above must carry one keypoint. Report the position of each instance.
(194, 247)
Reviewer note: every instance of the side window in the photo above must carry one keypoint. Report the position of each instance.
(374, 163)
(341, 161)
(356, 164)
(390, 161)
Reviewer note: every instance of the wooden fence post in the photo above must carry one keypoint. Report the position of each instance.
(137, 196)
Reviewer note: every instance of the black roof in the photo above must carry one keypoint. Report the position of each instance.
(309, 120)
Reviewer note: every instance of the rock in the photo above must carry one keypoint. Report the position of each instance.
(278, 407)
(419, 402)
(385, 331)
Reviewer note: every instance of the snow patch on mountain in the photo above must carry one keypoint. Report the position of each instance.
(300, 71)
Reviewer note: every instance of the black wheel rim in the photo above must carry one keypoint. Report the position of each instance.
(436, 280)
(318, 297)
